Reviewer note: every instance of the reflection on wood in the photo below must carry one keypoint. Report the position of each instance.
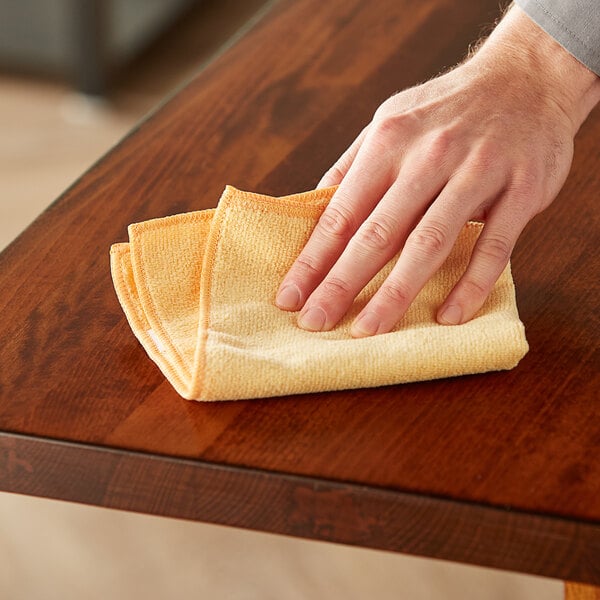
(576, 591)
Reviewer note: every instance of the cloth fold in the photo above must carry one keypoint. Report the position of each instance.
(198, 291)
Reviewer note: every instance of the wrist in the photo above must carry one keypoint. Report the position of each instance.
(531, 60)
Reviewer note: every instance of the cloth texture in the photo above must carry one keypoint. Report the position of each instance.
(574, 24)
(198, 291)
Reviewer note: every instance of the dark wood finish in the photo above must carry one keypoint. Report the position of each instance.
(308, 507)
(499, 469)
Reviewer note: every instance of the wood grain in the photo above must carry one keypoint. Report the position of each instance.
(271, 115)
(576, 591)
(305, 507)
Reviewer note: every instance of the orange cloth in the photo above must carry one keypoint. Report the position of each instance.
(198, 290)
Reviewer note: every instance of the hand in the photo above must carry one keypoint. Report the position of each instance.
(491, 140)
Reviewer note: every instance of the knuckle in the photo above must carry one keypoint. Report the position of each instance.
(474, 287)
(495, 247)
(375, 235)
(335, 287)
(306, 265)
(526, 183)
(428, 240)
(395, 293)
(391, 126)
(344, 162)
(337, 223)
(385, 126)
(481, 163)
(486, 157)
(440, 145)
(335, 173)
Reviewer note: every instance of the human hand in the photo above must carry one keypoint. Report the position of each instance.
(491, 140)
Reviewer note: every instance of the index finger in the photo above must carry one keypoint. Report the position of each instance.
(365, 184)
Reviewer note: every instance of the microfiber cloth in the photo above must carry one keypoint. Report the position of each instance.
(198, 290)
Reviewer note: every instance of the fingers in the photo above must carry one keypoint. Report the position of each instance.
(377, 210)
(425, 250)
(363, 186)
(490, 257)
(338, 171)
(376, 241)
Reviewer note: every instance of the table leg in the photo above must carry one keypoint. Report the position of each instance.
(578, 591)
(89, 31)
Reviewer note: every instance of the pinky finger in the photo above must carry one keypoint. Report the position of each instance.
(338, 171)
(489, 259)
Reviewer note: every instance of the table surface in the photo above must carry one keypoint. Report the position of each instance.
(499, 469)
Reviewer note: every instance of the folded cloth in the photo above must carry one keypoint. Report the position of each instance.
(198, 291)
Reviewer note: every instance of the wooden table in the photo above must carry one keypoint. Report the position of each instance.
(501, 469)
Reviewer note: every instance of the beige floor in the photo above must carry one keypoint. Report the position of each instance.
(58, 551)
(54, 550)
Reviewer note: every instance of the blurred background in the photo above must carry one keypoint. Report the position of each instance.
(75, 77)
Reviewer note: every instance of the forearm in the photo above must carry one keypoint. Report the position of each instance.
(527, 54)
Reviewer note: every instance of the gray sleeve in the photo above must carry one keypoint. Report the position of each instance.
(574, 24)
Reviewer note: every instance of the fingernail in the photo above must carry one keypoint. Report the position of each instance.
(365, 325)
(288, 297)
(313, 319)
(451, 315)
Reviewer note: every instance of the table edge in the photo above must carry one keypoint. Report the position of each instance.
(301, 506)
